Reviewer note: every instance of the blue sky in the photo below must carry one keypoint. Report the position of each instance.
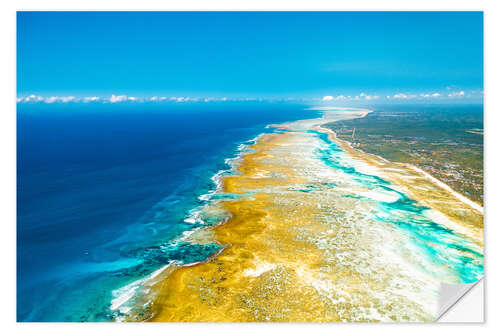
(249, 55)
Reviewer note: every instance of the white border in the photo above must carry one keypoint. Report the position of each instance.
(8, 167)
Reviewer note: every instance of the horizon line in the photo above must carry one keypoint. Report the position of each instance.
(373, 97)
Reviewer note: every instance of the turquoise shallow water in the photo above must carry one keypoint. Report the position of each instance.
(440, 246)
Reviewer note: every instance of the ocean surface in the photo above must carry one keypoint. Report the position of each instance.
(107, 191)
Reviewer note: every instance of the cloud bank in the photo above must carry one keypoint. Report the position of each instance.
(361, 97)
(404, 96)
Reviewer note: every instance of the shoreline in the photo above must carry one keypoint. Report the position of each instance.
(426, 175)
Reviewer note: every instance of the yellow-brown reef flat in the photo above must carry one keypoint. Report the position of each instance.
(319, 232)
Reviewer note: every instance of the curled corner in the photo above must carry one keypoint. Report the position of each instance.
(449, 294)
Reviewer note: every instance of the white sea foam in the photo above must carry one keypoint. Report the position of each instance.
(380, 195)
(123, 294)
(259, 270)
(233, 163)
(195, 214)
(190, 220)
(194, 217)
(126, 293)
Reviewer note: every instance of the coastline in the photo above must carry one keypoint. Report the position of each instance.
(247, 245)
(463, 212)
(426, 175)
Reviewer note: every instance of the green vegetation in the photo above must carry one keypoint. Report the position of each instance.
(447, 142)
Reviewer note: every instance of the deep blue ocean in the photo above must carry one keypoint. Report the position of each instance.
(104, 189)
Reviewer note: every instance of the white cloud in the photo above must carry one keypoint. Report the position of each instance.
(184, 99)
(222, 99)
(156, 99)
(117, 99)
(430, 95)
(67, 99)
(52, 99)
(91, 99)
(457, 94)
(327, 98)
(356, 98)
(400, 96)
(362, 95)
(33, 98)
